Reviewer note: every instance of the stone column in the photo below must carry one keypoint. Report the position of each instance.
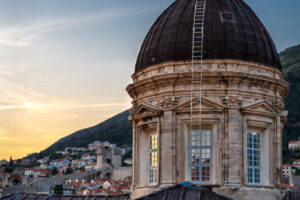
(134, 154)
(235, 143)
(278, 154)
(167, 148)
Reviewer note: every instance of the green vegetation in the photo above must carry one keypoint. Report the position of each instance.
(58, 189)
(54, 171)
(69, 170)
(290, 59)
(9, 169)
(55, 156)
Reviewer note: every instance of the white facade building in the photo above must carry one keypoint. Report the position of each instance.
(294, 145)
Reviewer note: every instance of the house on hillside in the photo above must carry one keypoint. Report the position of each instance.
(94, 145)
(32, 172)
(63, 162)
(296, 164)
(43, 160)
(294, 145)
(88, 157)
(287, 170)
(4, 179)
(128, 161)
(3, 162)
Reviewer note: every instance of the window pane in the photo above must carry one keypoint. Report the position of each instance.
(253, 151)
(195, 173)
(200, 155)
(152, 156)
(205, 156)
(195, 156)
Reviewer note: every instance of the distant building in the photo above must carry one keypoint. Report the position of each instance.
(294, 145)
(25, 162)
(82, 149)
(4, 179)
(128, 161)
(108, 157)
(296, 164)
(36, 172)
(42, 161)
(94, 145)
(77, 164)
(88, 157)
(126, 150)
(44, 166)
(60, 162)
(3, 162)
(287, 170)
(64, 153)
(92, 166)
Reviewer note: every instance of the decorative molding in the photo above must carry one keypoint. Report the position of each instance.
(261, 106)
(232, 101)
(207, 106)
(144, 111)
(169, 102)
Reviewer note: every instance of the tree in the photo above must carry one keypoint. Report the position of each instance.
(11, 163)
(16, 181)
(69, 170)
(54, 171)
(9, 169)
(58, 189)
(55, 156)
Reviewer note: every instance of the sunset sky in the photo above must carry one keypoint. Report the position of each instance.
(65, 64)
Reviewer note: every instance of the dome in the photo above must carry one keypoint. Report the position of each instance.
(231, 31)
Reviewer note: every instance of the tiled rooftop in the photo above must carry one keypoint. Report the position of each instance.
(63, 197)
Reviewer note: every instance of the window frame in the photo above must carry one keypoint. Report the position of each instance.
(152, 169)
(200, 149)
(251, 166)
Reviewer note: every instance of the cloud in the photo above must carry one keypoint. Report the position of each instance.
(30, 105)
(24, 34)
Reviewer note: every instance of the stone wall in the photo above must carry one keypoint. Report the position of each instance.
(122, 173)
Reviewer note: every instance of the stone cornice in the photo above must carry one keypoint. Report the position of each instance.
(209, 65)
(230, 77)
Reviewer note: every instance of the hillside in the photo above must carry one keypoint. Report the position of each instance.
(290, 59)
(118, 130)
(115, 130)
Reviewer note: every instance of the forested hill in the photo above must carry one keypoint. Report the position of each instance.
(290, 59)
(115, 130)
(118, 130)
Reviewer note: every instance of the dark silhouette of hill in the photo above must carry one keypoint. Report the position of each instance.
(290, 60)
(115, 130)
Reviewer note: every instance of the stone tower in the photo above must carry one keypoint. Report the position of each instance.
(231, 141)
(109, 157)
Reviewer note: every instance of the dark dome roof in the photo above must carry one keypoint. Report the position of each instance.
(231, 31)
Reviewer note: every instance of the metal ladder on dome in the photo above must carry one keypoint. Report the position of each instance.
(197, 55)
